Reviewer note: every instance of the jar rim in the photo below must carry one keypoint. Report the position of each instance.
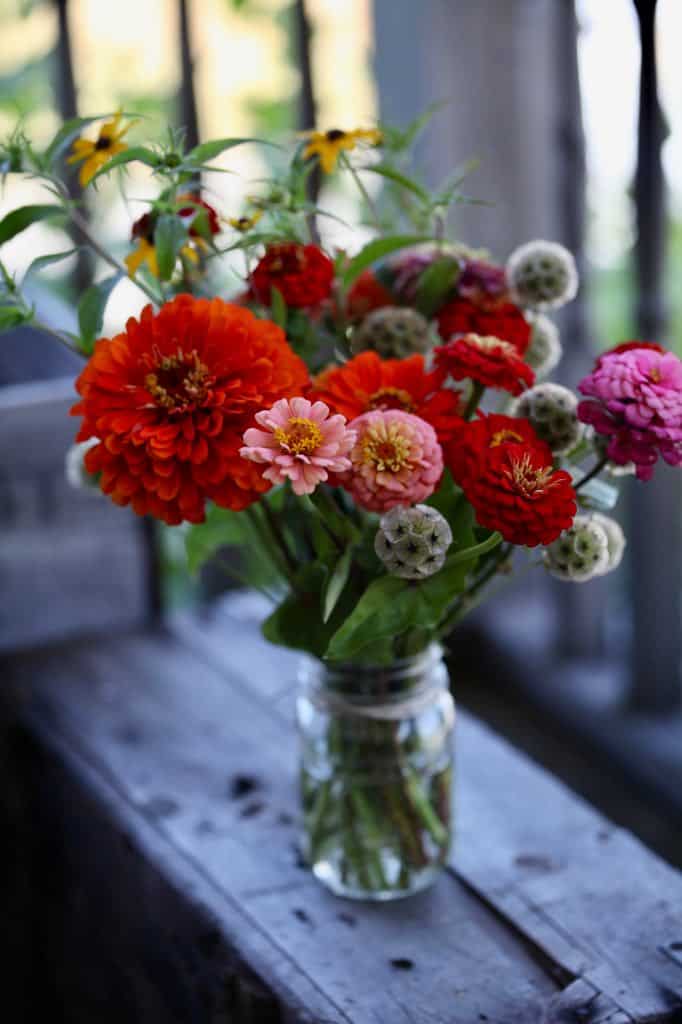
(364, 681)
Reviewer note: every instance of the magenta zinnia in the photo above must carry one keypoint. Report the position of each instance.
(635, 399)
(301, 443)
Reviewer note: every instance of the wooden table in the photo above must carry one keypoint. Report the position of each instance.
(162, 836)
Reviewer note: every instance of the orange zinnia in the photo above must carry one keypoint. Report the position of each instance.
(367, 382)
(170, 399)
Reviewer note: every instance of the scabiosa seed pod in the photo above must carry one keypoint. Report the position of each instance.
(552, 410)
(412, 542)
(393, 332)
(579, 553)
(74, 467)
(544, 351)
(542, 275)
(616, 539)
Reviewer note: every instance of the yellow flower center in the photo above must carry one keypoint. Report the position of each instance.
(502, 436)
(301, 436)
(490, 344)
(391, 398)
(528, 480)
(178, 381)
(386, 447)
(655, 374)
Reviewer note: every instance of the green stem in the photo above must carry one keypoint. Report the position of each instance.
(474, 399)
(280, 539)
(40, 326)
(595, 471)
(343, 159)
(423, 807)
(463, 600)
(262, 532)
(84, 229)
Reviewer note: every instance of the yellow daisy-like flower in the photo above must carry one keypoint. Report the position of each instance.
(144, 253)
(244, 224)
(96, 154)
(329, 145)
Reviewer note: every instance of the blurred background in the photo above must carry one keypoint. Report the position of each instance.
(574, 112)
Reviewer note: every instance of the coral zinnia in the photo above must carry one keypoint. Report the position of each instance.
(301, 443)
(501, 320)
(635, 399)
(489, 361)
(95, 155)
(474, 440)
(518, 493)
(396, 460)
(367, 382)
(302, 273)
(170, 399)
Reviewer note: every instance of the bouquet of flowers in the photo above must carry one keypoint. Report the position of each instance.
(374, 427)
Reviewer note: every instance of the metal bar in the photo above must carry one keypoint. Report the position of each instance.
(655, 508)
(580, 609)
(67, 105)
(187, 102)
(307, 105)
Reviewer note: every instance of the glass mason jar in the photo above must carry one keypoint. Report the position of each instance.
(376, 774)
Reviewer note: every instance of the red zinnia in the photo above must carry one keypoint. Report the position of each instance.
(197, 205)
(366, 294)
(302, 273)
(170, 398)
(503, 320)
(367, 382)
(487, 360)
(518, 493)
(473, 441)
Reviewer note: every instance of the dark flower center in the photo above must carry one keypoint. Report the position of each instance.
(103, 142)
(179, 382)
(334, 135)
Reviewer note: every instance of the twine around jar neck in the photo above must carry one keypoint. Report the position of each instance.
(394, 692)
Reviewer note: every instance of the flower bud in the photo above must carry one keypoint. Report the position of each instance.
(552, 410)
(412, 542)
(393, 332)
(616, 540)
(544, 351)
(579, 553)
(542, 275)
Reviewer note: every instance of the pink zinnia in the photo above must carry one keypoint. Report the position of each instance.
(301, 443)
(396, 460)
(636, 400)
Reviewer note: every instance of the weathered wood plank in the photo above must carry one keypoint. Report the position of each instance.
(544, 891)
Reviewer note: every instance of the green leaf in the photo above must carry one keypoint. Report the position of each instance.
(278, 308)
(220, 528)
(18, 220)
(91, 310)
(387, 171)
(13, 316)
(41, 262)
(336, 583)
(374, 251)
(390, 606)
(68, 132)
(170, 235)
(142, 154)
(210, 150)
(435, 284)
(296, 621)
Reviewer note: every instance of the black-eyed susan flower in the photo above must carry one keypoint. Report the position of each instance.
(328, 146)
(190, 208)
(245, 223)
(94, 155)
